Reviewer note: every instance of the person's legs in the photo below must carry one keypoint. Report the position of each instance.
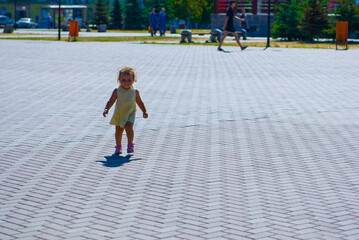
(154, 29)
(244, 33)
(222, 39)
(129, 132)
(237, 39)
(118, 135)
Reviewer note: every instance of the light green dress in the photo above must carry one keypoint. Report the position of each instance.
(125, 109)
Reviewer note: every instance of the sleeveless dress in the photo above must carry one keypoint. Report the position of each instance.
(125, 109)
(230, 25)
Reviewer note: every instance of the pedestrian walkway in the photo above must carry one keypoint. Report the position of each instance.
(238, 145)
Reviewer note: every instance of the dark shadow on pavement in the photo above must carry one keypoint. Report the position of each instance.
(117, 161)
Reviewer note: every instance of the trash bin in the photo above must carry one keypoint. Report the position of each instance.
(341, 35)
(73, 29)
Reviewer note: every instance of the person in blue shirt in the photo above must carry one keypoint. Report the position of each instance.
(162, 21)
(152, 18)
(49, 21)
(244, 24)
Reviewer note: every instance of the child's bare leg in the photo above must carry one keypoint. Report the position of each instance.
(129, 132)
(237, 39)
(118, 135)
(222, 39)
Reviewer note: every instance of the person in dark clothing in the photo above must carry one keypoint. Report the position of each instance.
(162, 21)
(244, 24)
(152, 18)
(229, 26)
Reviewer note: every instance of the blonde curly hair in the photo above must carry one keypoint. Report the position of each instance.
(127, 70)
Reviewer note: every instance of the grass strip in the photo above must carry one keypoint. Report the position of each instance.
(197, 41)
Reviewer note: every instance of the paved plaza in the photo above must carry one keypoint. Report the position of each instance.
(259, 144)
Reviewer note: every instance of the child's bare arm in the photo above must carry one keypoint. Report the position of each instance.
(141, 104)
(110, 102)
(240, 19)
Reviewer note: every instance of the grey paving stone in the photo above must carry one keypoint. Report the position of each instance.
(239, 145)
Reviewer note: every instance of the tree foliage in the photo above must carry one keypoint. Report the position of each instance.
(348, 11)
(188, 9)
(101, 16)
(116, 16)
(158, 5)
(315, 20)
(206, 13)
(133, 15)
(287, 20)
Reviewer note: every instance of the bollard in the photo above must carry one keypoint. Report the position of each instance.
(173, 29)
(102, 28)
(184, 34)
(216, 33)
(9, 28)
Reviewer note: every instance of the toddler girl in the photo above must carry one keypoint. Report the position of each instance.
(126, 97)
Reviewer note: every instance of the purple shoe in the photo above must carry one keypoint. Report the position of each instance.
(118, 150)
(130, 148)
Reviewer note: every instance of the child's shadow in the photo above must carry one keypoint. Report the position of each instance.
(117, 161)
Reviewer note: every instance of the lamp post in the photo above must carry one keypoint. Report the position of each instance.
(15, 11)
(59, 35)
(268, 30)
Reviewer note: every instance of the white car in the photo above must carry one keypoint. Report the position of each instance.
(26, 23)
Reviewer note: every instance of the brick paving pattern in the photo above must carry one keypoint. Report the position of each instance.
(239, 145)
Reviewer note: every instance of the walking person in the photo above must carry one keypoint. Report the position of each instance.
(126, 98)
(49, 21)
(162, 21)
(152, 18)
(244, 24)
(229, 26)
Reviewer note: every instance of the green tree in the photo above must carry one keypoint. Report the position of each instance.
(101, 16)
(348, 11)
(315, 20)
(158, 4)
(287, 20)
(206, 13)
(133, 15)
(116, 16)
(188, 9)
